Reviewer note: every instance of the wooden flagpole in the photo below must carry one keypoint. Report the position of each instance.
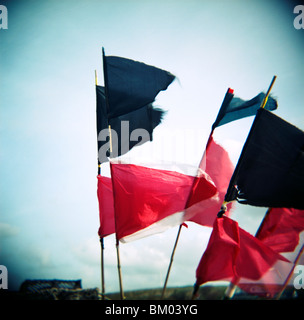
(102, 268)
(119, 270)
(268, 92)
(177, 238)
(101, 238)
(171, 261)
(110, 136)
(180, 228)
(232, 286)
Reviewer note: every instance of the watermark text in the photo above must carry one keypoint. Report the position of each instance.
(298, 281)
(3, 277)
(298, 21)
(3, 17)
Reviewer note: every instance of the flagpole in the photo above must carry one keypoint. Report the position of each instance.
(119, 271)
(105, 75)
(101, 238)
(268, 92)
(224, 103)
(177, 238)
(227, 99)
(290, 273)
(233, 285)
(102, 268)
(171, 261)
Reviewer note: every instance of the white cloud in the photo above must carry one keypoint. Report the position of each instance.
(88, 251)
(7, 230)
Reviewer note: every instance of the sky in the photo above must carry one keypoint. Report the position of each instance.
(48, 55)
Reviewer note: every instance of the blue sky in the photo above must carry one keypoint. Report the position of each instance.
(48, 204)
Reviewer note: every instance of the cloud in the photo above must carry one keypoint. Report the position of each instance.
(7, 230)
(88, 251)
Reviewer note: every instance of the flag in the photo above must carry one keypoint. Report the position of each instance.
(270, 170)
(149, 200)
(232, 253)
(131, 85)
(281, 228)
(234, 108)
(125, 103)
(217, 164)
(106, 206)
(271, 283)
(128, 130)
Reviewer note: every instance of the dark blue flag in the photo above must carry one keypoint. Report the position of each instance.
(234, 108)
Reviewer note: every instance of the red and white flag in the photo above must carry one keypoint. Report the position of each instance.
(175, 194)
(233, 254)
(150, 200)
(217, 164)
(280, 231)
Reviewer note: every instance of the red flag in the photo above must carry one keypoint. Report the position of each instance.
(281, 228)
(106, 206)
(217, 164)
(150, 200)
(270, 283)
(232, 253)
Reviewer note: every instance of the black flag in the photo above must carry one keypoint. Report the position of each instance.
(128, 130)
(125, 104)
(270, 170)
(131, 85)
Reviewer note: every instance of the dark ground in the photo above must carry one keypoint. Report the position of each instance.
(178, 293)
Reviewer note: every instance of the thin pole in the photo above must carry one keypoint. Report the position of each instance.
(110, 136)
(105, 75)
(119, 271)
(290, 273)
(171, 261)
(101, 238)
(102, 269)
(96, 84)
(105, 78)
(178, 234)
(268, 92)
(232, 286)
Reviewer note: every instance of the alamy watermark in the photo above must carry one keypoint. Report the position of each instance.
(3, 277)
(298, 281)
(298, 21)
(110, 136)
(179, 146)
(3, 17)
